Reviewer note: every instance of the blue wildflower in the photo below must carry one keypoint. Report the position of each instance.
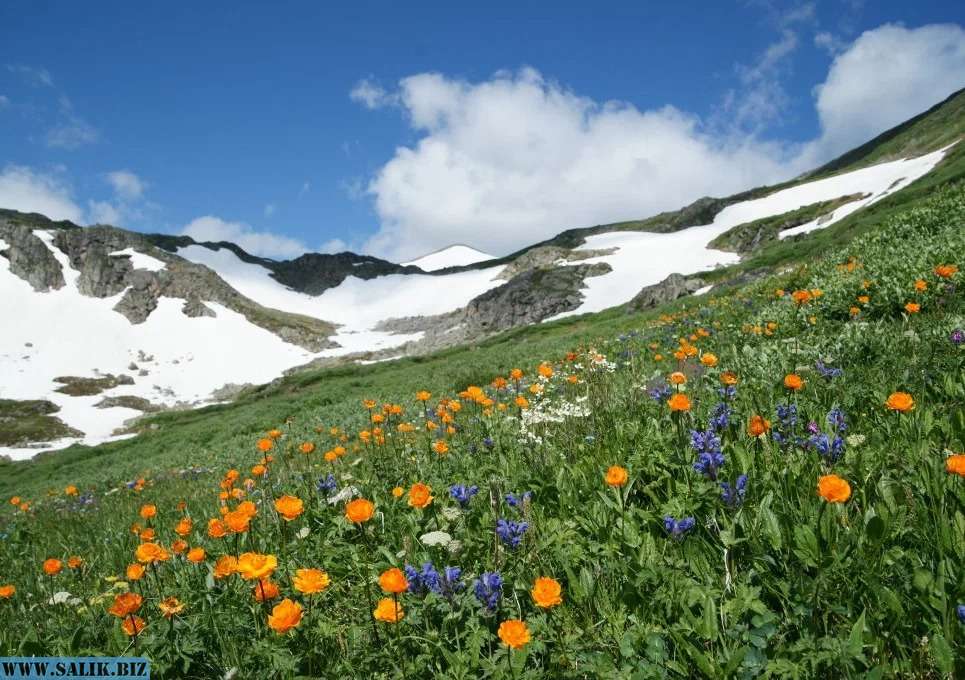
(463, 494)
(709, 457)
(677, 528)
(488, 442)
(957, 338)
(515, 501)
(728, 392)
(837, 420)
(660, 392)
(511, 532)
(720, 417)
(451, 581)
(828, 371)
(328, 484)
(488, 589)
(415, 582)
(734, 495)
(961, 612)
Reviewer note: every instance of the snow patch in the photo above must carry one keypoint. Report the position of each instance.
(453, 256)
(140, 260)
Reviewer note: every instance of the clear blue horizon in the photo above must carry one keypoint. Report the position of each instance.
(307, 126)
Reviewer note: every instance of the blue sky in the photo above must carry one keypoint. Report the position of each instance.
(397, 129)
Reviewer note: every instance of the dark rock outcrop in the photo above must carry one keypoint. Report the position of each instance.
(29, 257)
(673, 287)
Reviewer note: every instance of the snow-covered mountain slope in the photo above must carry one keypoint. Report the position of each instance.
(65, 333)
(644, 258)
(453, 256)
(357, 305)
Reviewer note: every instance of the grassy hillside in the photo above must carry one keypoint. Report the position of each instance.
(779, 575)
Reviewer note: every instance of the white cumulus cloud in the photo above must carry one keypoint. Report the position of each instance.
(263, 243)
(27, 190)
(517, 158)
(127, 186)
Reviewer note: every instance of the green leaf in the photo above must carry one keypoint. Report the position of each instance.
(855, 639)
(942, 652)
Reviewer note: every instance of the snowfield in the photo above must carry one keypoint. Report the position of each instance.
(643, 259)
(140, 260)
(453, 256)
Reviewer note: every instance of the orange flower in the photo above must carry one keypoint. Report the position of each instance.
(306, 447)
(793, 382)
(388, 610)
(265, 590)
(52, 566)
(921, 285)
(289, 507)
(359, 511)
(265, 445)
(225, 566)
(148, 511)
(758, 425)
(253, 566)
(7, 591)
(170, 606)
(216, 528)
(708, 359)
(179, 547)
(616, 475)
(728, 378)
(147, 534)
(398, 491)
(423, 395)
(678, 378)
(310, 581)
(900, 401)
(679, 403)
(420, 496)
(149, 553)
(258, 470)
(196, 555)
(75, 562)
(15, 500)
(946, 271)
(546, 592)
(133, 625)
(183, 527)
(70, 490)
(955, 464)
(135, 572)
(284, 616)
(801, 296)
(522, 402)
(545, 370)
(237, 521)
(440, 447)
(125, 604)
(514, 633)
(833, 489)
(516, 374)
(393, 581)
(912, 307)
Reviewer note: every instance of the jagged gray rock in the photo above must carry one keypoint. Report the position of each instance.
(673, 287)
(29, 257)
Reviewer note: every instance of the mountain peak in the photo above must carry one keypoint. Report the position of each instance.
(456, 255)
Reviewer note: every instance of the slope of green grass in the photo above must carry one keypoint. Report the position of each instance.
(780, 580)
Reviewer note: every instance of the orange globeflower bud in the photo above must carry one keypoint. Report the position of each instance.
(265, 590)
(196, 555)
(133, 625)
(393, 581)
(183, 527)
(758, 425)
(420, 496)
(514, 633)
(900, 401)
(388, 610)
(359, 511)
(306, 447)
(52, 566)
(440, 447)
(289, 507)
(70, 490)
(834, 489)
(801, 296)
(912, 307)
(284, 616)
(708, 359)
(74, 562)
(546, 592)
(7, 591)
(728, 378)
(135, 572)
(955, 464)
(793, 382)
(678, 378)
(679, 403)
(616, 475)
(179, 547)
(148, 511)
(265, 445)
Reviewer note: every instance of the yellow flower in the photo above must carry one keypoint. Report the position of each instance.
(388, 610)
(170, 606)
